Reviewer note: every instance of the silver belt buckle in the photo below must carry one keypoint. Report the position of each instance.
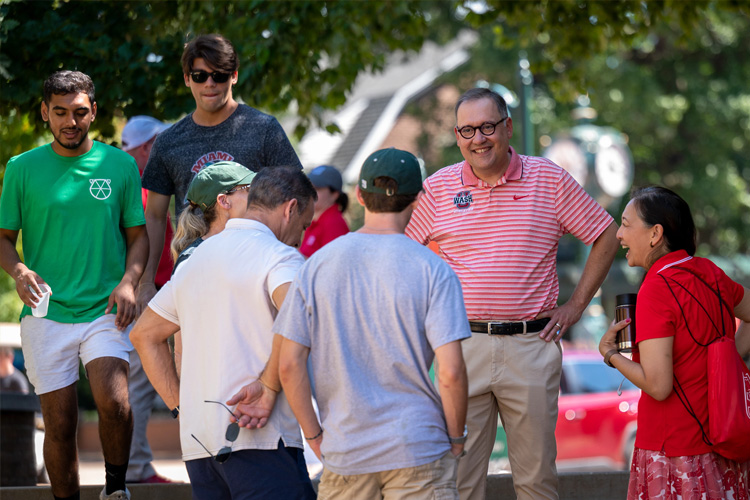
(489, 328)
(524, 327)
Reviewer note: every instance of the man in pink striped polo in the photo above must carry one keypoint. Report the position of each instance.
(497, 218)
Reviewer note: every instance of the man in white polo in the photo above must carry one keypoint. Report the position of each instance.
(224, 300)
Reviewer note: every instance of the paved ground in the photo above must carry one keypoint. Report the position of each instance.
(91, 469)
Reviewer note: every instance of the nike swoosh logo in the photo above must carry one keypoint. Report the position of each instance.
(519, 196)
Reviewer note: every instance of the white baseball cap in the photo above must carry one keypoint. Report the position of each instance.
(141, 129)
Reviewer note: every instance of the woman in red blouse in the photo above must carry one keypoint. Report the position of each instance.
(678, 306)
(328, 223)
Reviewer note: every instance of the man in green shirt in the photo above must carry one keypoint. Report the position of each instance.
(78, 205)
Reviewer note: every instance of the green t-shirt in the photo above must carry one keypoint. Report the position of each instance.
(71, 213)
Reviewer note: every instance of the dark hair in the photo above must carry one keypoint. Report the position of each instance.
(342, 201)
(276, 185)
(217, 51)
(381, 202)
(480, 93)
(659, 205)
(68, 82)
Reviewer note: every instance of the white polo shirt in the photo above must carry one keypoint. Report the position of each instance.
(221, 298)
(502, 240)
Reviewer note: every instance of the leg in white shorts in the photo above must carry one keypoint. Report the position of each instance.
(51, 351)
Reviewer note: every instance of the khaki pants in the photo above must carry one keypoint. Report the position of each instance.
(436, 480)
(517, 377)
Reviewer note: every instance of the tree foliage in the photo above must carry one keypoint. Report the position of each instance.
(678, 91)
(304, 53)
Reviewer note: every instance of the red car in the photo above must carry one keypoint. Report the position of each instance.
(595, 426)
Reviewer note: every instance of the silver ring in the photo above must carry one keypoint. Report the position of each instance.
(558, 325)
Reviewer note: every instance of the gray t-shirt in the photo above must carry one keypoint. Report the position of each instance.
(248, 137)
(372, 308)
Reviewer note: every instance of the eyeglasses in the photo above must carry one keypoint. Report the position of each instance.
(201, 76)
(487, 129)
(238, 188)
(233, 430)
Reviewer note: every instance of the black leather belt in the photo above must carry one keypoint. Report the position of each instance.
(491, 328)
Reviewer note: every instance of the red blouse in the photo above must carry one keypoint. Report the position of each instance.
(326, 228)
(666, 425)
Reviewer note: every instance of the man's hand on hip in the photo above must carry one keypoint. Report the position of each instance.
(560, 319)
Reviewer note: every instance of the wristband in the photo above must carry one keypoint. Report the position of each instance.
(607, 357)
(268, 386)
(175, 411)
(460, 439)
(316, 436)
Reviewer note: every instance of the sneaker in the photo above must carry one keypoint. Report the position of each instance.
(116, 495)
(155, 479)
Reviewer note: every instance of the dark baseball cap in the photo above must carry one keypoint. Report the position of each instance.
(401, 166)
(326, 176)
(215, 179)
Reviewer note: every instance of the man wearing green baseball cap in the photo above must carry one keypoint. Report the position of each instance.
(390, 307)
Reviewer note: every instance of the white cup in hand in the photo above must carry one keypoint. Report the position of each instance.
(40, 310)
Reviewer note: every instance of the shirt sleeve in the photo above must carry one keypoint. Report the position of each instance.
(132, 201)
(656, 311)
(10, 199)
(420, 225)
(579, 214)
(278, 151)
(293, 321)
(163, 303)
(284, 271)
(156, 176)
(446, 316)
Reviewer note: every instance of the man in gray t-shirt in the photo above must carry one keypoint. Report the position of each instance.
(220, 129)
(371, 310)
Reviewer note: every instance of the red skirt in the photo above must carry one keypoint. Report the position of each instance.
(653, 475)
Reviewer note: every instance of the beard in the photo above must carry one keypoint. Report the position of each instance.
(68, 144)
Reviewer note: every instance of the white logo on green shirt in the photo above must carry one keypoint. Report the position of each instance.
(100, 188)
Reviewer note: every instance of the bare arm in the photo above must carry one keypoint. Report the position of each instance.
(454, 388)
(654, 373)
(124, 293)
(149, 336)
(597, 266)
(742, 337)
(157, 207)
(296, 384)
(24, 277)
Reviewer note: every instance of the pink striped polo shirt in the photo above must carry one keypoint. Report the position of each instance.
(502, 240)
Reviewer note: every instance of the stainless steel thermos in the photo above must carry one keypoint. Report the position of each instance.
(626, 309)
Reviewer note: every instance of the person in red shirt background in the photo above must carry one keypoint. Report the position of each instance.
(677, 316)
(138, 136)
(328, 222)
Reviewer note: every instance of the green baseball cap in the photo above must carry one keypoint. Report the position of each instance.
(401, 166)
(215, 179)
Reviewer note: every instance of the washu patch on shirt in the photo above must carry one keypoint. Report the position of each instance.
(463, 200)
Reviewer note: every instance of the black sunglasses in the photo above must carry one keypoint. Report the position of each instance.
(200, 76)
(233, 430)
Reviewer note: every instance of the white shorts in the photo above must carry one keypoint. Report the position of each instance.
(51, 349)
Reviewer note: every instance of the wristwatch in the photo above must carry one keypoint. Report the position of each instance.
(459, 440)
(175, 411)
